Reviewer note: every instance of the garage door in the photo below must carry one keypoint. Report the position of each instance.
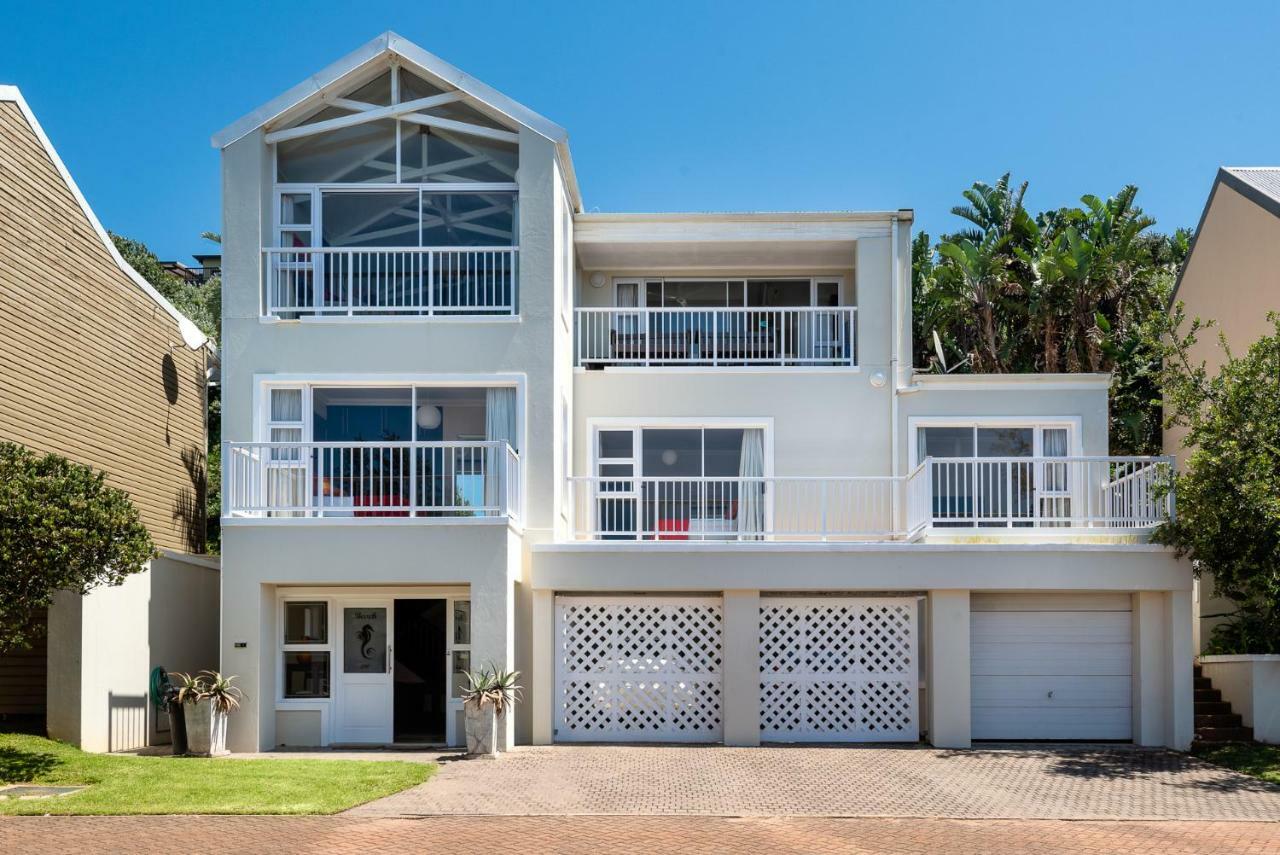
(1051, 666)
(638, 669)
(838, 669)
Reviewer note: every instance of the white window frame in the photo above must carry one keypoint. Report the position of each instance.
(1036, 423)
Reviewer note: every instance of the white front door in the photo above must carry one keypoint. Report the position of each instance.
(365, 709)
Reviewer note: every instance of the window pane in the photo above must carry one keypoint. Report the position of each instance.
(364, 414)
(286, 405)
(468, 219)
(364, 640)
(295, 209)
(306, 674)
(358, 154)
(616, 443)
(370, 220)
(295, 239)
(461, 663)
(432, 155)
(1054, 441)
(828, 293)
(946, 442)
(672, 453)
(306, 623)
(461, 621)
(1005, 442)
(723, 452)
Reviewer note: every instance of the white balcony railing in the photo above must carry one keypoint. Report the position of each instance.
(1078, 493)
(397, 281)
(370, 479)
(1047, 492)
(825, 336)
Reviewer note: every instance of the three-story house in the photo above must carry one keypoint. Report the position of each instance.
(675, 468)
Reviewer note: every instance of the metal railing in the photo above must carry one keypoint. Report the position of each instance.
(1046, 492)
(734, 509)
(397, 281)
(816, 336)
(370, 479)
(1011, 493)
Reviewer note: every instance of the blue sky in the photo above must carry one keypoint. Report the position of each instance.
(694, 105)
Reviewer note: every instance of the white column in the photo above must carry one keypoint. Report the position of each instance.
(493, 632)
(1150, 650)
(948, 688)
(1180, 660)
(740, 668)
(542, 686)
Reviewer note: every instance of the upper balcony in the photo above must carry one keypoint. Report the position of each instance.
(1057, 498)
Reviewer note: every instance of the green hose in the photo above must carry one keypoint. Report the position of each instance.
(159, 686)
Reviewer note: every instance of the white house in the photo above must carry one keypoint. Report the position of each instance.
(675, 468)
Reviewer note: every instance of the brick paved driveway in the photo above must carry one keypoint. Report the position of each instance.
(852, 781)
(623, 835)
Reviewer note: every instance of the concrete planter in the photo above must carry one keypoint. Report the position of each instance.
(1251, 682)
(206, 730)
(482, 730)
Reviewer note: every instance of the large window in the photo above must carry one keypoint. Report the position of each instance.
(306, 650)
(728, 293)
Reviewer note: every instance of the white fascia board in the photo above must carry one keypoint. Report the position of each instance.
(191, 335)
(885, 217)
(985, 382)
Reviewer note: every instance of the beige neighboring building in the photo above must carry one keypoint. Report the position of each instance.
(1231, 276)
(96, 366)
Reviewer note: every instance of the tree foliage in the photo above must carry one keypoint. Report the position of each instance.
(1066, 290)
(1228, 496)
(61, 528)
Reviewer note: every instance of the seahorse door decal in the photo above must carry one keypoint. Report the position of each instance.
(365, 636)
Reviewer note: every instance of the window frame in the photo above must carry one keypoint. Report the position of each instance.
(284, 648)
(1073, 425)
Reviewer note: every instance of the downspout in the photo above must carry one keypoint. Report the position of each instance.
(894, 333)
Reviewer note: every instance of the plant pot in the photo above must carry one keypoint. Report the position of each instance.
(178, 728)
(206, 730)
(482, 726)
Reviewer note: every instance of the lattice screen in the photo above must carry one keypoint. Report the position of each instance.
(838, 669)
(638, 668)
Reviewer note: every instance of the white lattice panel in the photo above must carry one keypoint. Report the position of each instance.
(638, 668)
(838, 669)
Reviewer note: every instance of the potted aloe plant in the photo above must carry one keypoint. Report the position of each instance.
(207, 700)
(487, 696)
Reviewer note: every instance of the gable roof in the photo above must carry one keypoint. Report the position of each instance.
(191, 335)
(391, 44)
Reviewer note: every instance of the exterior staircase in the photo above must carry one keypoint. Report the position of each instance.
(1215, 722)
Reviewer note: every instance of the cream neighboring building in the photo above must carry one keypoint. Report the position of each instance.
(675, 468)
(99, 368)
(1232, 277)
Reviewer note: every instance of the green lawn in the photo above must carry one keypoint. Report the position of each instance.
(1260, 761)
(122, 784)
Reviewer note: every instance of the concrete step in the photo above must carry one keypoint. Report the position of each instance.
(1198, 671)
(1224, 734)
(1203, 683)
(1218, 719)
(1213, 707)
(1208, 695)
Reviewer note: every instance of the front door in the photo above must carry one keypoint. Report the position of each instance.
(364, 697)
(420, 667)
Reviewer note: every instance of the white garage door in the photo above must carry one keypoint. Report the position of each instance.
(1051, 666)
(641, 669)
(838, 669)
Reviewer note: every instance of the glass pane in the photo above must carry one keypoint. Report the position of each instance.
(306, 674)
(461, 621)
(1054, 441)
(628, 294)
(723, 452)
(778, 293)
(371, 220)
(468, 219)
(653, 293)
(362, 414)
(616, 443)
(413, 87)
(286, 405)
(359, 154)
(433, 155)
(306, 623)
(828, 293)
(286, 434)
(364, 634)
(461, 663)
(376, 91)
(946, 442)
(1005, 442)
(295, 239)
(672, 453)
(295, 209)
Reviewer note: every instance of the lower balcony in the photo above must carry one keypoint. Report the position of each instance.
(367, 480)
(1051, 497)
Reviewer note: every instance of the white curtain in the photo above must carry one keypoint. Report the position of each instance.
(499, 426)
(751, 492)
